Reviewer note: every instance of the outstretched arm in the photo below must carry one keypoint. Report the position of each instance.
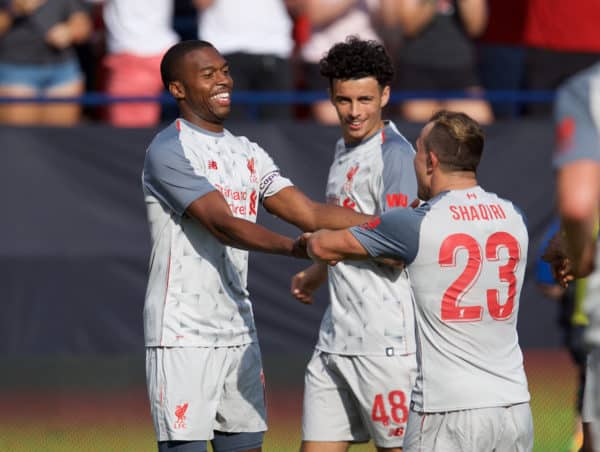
(328, 246)
(212, 211)
(293, 206)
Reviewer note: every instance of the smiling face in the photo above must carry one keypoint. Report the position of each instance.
(203, 90)
(358, 103)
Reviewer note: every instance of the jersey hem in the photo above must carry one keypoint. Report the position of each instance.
(202, 344)
(429, 410)
(365, 353)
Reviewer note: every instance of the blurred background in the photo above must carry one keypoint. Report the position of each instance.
(81, 98)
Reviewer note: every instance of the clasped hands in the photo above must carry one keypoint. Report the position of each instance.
(301, 250)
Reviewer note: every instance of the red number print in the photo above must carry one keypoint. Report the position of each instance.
(506, 273)
(379, 413)
(450, 309)
(398, 408)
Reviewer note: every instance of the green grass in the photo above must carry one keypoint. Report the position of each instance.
(117, 419)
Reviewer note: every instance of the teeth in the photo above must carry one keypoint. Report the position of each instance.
(221, 96)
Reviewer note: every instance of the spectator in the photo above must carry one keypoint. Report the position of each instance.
(256, 39)
(331, 22)
(501, 53)
(439, 54)
(138, 32)
(37, 58)
(562, 39)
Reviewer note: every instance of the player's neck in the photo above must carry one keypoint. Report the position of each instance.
(194, 118)
(456, 180)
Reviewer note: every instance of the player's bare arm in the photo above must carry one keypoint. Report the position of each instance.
(555, 254)
(212, 211)
(578, 185)
(296, 208)
(334, 246)
(306, 282)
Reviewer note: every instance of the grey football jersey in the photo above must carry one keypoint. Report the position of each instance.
(466, 252)
(371, 310)
(577, 117)
(196, 293)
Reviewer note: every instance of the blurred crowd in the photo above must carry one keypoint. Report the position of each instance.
(447, 52)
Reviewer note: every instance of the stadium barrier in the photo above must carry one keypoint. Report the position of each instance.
(295, 97)
(74, 245)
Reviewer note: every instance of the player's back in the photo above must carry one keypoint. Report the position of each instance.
(467, 277)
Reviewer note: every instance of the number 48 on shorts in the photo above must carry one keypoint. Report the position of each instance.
(391, 406)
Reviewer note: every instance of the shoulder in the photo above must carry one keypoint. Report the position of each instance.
(244, 144)
(509, 206)
(580, 82)
(574, 95)
(407, 216)
(164, 143)
(339, 149)
(394, 144)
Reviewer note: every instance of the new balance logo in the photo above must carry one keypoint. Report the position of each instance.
(471, 195)
(212, 165)
(399, 431)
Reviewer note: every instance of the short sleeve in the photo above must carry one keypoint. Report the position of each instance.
(399, 183)
(271, 180)
(394, 234)
(577, 118)
(170, 177)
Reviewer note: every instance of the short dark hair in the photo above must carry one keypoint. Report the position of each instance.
(356, 58)
(171, 61)
(456, 139)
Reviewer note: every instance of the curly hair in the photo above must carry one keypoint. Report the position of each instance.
(356, 58)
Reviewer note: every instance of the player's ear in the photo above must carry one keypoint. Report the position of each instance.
(385, 96)
(432, 160)
(177, 90)
(330, 94)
